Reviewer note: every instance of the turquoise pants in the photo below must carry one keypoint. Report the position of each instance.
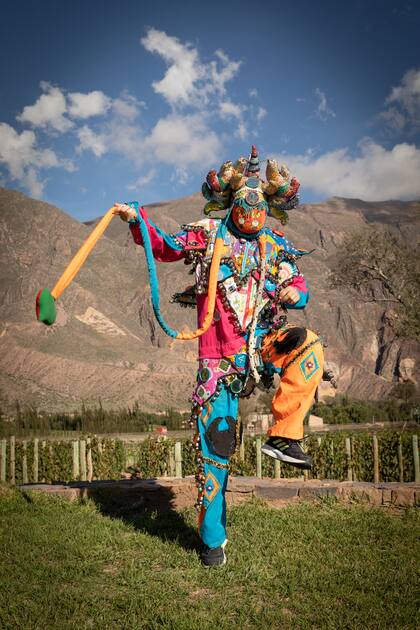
(217, 427)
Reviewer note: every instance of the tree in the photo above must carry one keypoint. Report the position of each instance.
(378, 267)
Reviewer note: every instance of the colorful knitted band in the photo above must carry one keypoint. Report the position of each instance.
(154, 284)
(259, 304)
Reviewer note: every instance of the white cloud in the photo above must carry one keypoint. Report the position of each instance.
(223, 71)
(180, 176)
(91, 141)
(323, 111)
(376, 174)
(188, 81)
(48, 110)
(178, 86)
(184, 140)
(33, 184)
(393, 118)
(94, 103)
(143, 180)
(228, 109)
(127, 106)
(241, 131)
(51, 109)
(118, 133)
(23, 159)
(403, 103)
(116, 136)
(261, 113)
(177, 140)
(127, 140)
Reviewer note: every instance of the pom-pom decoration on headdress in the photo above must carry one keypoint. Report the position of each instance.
(230, 186)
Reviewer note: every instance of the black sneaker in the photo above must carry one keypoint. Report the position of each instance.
(288, 451)
(213, 557)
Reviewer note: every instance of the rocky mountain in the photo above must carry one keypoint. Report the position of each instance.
(106, 343)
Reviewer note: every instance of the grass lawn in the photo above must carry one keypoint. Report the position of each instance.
(323, 565)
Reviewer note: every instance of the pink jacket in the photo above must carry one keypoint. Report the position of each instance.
(221, 339)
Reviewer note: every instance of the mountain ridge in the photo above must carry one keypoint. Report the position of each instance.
(106, 343)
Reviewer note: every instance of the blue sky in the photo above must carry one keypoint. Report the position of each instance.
(137, 100)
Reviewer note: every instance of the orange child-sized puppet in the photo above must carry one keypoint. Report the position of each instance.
(296, 354)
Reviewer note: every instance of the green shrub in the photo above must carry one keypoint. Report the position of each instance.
(151, 458)
(108, 458)
(23, 421)
(402, 406)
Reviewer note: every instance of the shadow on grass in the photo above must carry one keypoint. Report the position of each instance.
(150, 510)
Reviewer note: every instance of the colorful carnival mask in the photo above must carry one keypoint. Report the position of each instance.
(249, 207)
(238, 186)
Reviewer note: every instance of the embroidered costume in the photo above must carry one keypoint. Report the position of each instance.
(241, 270)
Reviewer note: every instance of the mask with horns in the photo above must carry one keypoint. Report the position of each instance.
(238, 186)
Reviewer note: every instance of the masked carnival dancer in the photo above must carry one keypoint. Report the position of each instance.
(242, 299)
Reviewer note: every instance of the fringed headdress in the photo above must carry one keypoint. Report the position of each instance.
(239, 184)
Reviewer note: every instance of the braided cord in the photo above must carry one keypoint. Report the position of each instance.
(154, 283)
(257, 309)
(215, 463)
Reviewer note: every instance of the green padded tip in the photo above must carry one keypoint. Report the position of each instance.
(45, 307)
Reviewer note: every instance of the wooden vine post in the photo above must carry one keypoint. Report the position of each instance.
(416, 459)
(349, 459)
(12, 460)
(82, 451)
(35, 470)
(171, 463)
(3, 456)
(178, 459)
(258, 457)
(400, 460)
(24, 462)
(242, 447)
(76, 460)
(89, 459)
(43, 447)
(375, 459)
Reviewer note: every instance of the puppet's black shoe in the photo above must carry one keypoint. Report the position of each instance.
(287, 451)
(213, 557)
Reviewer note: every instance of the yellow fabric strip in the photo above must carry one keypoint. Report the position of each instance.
(214, 272)
(77, 262)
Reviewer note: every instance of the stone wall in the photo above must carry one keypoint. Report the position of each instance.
(173, 494)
